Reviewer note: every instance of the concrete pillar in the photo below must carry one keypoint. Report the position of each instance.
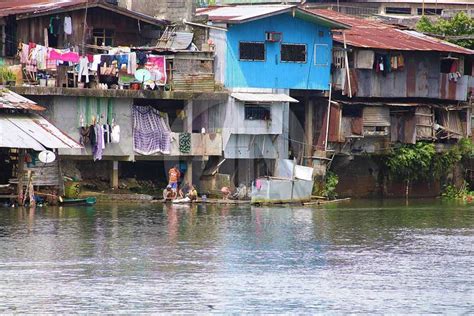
(20, 174)
(308, 127)
(188, 127)
(114, 175)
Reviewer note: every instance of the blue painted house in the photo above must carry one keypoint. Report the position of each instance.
(262, 53)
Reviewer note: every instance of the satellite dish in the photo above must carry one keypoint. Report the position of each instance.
(47, 156)
(142, 75)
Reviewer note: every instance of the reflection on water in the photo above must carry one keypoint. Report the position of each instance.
(352, 257)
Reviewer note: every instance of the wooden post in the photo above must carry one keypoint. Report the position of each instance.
(114, 175)
(309, 139)
(20, 173)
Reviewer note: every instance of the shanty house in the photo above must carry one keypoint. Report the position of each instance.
(116, 45)
(23, 135)
(392, 86)
(267, 56)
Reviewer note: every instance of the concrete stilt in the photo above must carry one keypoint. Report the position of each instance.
(308, 128)
(114, 175)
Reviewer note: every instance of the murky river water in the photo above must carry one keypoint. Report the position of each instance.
(382, 257)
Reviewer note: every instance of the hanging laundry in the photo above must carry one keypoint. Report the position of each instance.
(85, 136)
(67, 25)
(83, 69)
(141, 58)
(151, 134)
(24, 53)
(54, 25)
(132, 63)
(64, 55)
(364, 59)
(95, 62)
(401, 61)
(99, 146)
(185, 143)
(115, 134)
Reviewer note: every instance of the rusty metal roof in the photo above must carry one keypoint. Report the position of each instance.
(234, 14)
(368, 33)
(32, 131)
(29, 8)
(12, 100)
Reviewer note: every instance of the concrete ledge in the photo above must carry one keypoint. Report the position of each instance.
(131, 94)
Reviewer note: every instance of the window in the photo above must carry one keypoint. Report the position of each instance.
(293, 53)
(255, 112)
(254, 51)
(103, 37)
(430, 11)
(321, 55)
(394, 10)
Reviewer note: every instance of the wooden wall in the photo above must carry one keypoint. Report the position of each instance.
(126, 29)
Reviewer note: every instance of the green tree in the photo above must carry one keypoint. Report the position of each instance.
(459, 25)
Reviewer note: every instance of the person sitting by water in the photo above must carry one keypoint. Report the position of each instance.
(225, 193)
(174, 174)
(169, 194)
(192, 194)
(184, 191)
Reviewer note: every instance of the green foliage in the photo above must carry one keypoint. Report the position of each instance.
(460, 24)
(411, 162)
(420, 161)
(450, 192)
(329, 190)
(6, 75)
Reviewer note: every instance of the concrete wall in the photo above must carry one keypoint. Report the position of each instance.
(249, 139)
(172, 10)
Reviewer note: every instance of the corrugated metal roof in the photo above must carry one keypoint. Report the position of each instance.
(377, 35)
(176, 41)
(12, 100)
(245, 13)
(263, 97)
(38, 7)
(32, 131)
(242, 13)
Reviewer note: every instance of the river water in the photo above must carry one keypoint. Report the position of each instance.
(360, 256)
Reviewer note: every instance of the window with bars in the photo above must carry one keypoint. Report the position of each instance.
(255, 111)
(252, 51)
(293, 53)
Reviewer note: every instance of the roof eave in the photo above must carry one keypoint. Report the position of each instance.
(96, 4)
(255, 18)
(316, 18)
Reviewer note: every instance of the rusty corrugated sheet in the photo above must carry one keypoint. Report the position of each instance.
(36, 7)
(367, 33)
(12, 100)
(193, 82)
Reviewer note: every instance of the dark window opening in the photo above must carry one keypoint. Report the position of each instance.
(394, 10)
(103, 37)
(293, 53)
(257, 112)
(252, 51)
(430, 11)
(447, 64)
(352, 111)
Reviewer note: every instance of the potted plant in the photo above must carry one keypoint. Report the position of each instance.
(7, 77)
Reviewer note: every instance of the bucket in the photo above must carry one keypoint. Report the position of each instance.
(72, 189)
